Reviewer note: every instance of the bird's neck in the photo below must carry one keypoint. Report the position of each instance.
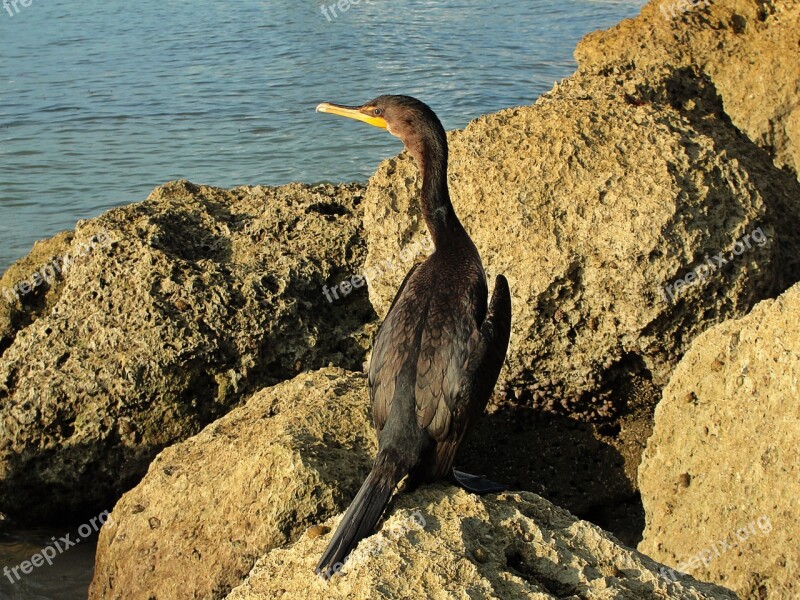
(443, 224)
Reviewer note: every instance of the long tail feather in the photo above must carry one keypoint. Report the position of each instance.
(363, 514)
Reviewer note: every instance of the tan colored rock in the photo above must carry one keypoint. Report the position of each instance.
(15, 315)
(179, 308)
(590, 203)
(720, 478)
(441, 542)
(749, 50)
(254, 480)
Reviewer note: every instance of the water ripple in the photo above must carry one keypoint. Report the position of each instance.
(98, 104)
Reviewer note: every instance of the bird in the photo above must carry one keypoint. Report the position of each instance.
(439, 351)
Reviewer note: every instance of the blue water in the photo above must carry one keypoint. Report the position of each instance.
(102, 101)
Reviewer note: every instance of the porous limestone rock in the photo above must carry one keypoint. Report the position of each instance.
(253, 480)
(170, 312)
(15, 315)
(441, 542)
(720, 478)
(591, 202)
(750, 51)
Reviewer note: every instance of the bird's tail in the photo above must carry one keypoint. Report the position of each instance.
(363, 514)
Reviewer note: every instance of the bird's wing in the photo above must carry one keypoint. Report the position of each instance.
(445, 346)
(446, 363)
(487, 352)
(388, 355)
(484, 366)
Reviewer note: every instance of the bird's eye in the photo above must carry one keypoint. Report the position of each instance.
(377, 112)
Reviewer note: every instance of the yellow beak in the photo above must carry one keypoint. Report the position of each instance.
(352, 112)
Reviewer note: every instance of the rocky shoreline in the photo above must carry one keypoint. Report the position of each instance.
(197, 374)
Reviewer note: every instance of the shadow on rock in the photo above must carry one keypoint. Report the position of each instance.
(561, 459)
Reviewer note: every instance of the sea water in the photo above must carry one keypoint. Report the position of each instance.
(102, 101)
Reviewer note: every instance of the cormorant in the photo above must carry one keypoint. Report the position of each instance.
(438, 353)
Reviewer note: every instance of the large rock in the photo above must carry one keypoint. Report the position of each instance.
(254, 480)
(441, 542)
(591, 202)
(171, 311)
(720, 478)
(748, 49)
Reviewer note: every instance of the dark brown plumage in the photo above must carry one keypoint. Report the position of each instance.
(438, 353)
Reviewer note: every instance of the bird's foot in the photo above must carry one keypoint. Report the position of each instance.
(477, 484)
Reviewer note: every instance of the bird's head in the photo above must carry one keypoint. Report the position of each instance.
(403, 116)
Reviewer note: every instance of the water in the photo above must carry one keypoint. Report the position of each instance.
(67, 578)
(102, 101)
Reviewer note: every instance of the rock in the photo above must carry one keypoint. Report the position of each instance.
(579, 466)
(172, 311)
(590, 204)
(733, 517)
(254, 480)
(441, 542)
(749, 50)
(16, 315)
